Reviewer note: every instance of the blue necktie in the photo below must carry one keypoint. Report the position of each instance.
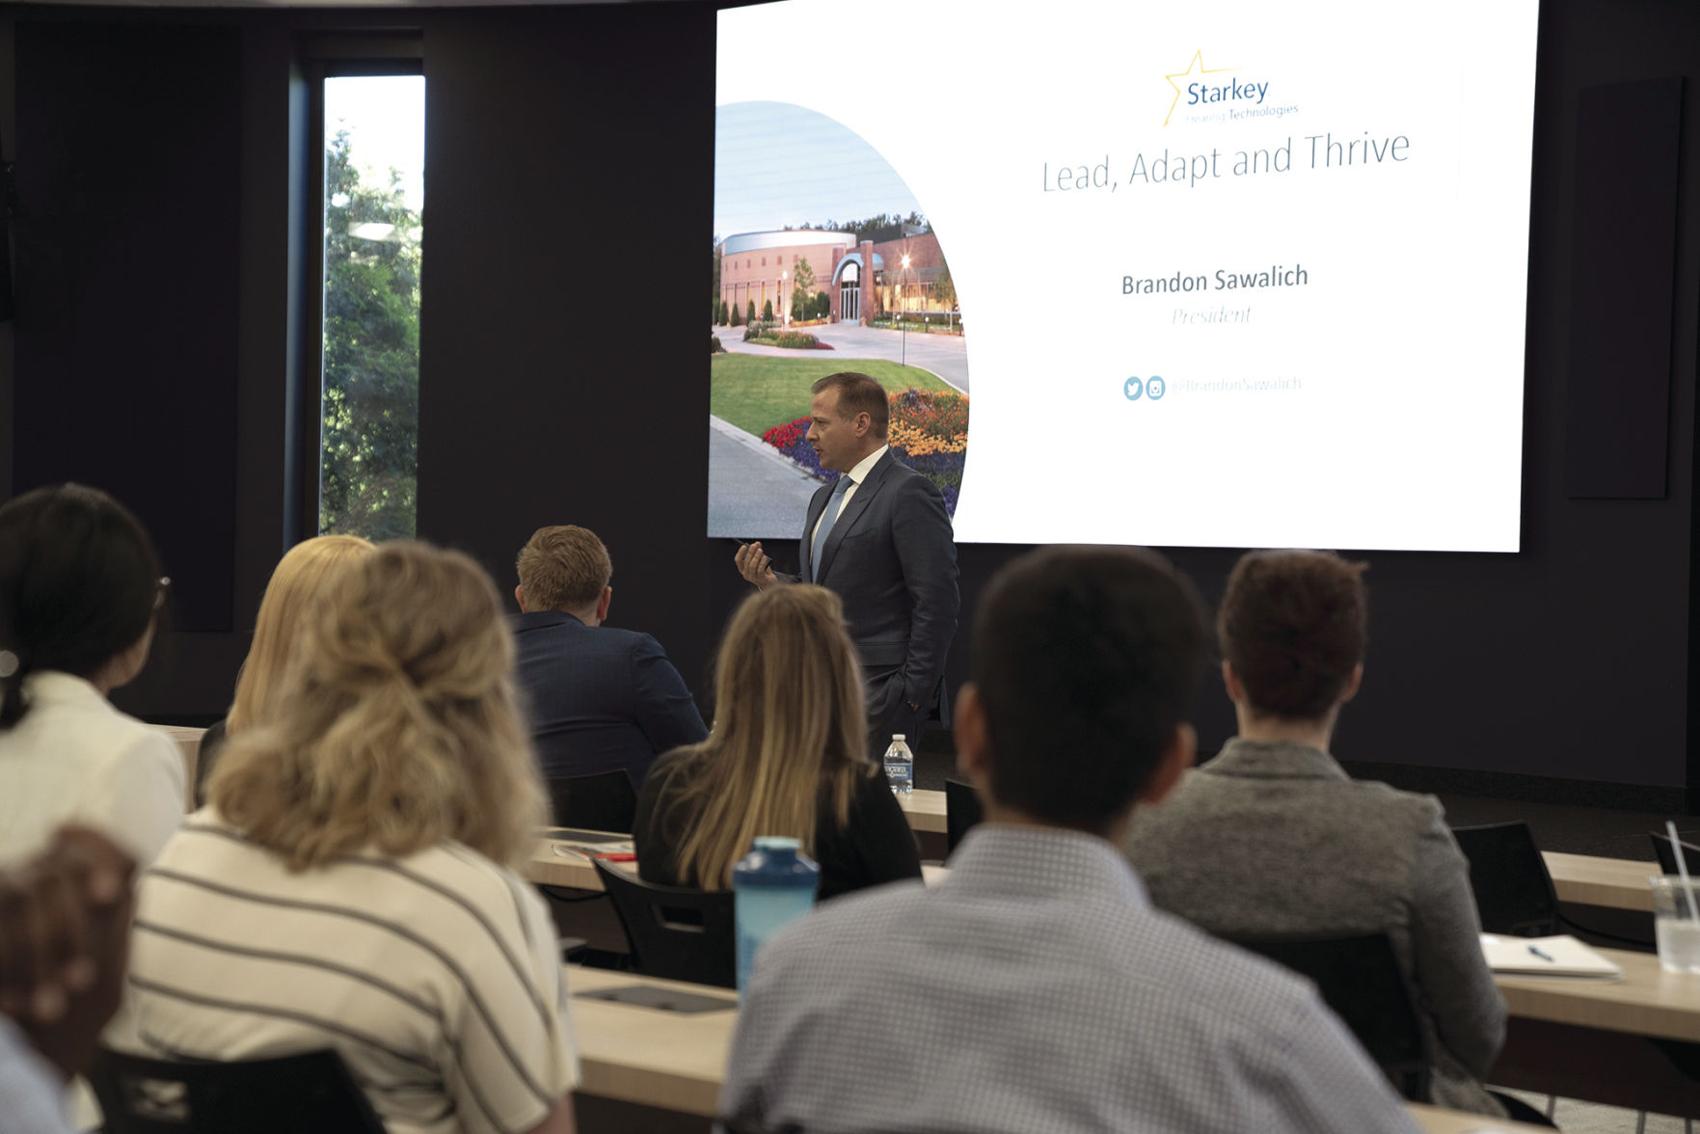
(828, 517)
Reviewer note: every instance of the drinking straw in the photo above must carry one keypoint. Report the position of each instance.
(1682, 867)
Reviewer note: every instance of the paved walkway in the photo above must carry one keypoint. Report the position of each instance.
(754, 492)
(944, 355)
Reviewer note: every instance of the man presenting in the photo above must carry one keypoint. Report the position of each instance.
(880, 537)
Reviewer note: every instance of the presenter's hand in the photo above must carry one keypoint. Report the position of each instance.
(754, 565)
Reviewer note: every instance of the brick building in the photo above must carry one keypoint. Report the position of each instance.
(862, 279)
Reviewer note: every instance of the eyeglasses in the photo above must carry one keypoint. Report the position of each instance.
(163, 589)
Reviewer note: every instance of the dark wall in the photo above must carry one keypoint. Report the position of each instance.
(567, 204)
(127, 247)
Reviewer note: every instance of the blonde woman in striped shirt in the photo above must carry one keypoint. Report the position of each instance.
(349, 885)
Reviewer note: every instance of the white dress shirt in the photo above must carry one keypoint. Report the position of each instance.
(857, 475)
(74, 758)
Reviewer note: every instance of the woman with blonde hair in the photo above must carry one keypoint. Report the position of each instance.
(300, 579)
(787, 756)
(351, 884)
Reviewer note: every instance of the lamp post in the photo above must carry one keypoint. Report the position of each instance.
(903, 350)
(785, 312)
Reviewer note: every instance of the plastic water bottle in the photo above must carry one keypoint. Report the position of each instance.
(774, 884)
(900, 766)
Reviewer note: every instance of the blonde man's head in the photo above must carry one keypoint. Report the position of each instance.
(396, 726)
(299, 581)
(565, 568)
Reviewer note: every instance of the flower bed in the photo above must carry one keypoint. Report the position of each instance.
(768, 335)
(929, 433)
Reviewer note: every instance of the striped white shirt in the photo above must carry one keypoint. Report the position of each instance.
(436, 977)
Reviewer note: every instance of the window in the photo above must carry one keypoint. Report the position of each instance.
(373, 199)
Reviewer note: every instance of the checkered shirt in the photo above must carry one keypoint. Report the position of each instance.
(1036, 990)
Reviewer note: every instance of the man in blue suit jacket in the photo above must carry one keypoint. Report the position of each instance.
(879, 536)
(598, 698)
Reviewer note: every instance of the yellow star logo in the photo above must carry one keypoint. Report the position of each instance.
(1196, 67)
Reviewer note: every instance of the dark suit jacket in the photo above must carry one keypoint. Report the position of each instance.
(891, 556)
(600, 698)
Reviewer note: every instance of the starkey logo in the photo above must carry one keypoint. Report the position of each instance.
(1213, 88)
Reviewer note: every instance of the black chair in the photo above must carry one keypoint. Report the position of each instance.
(603, 802)
(1361, 980)
(1667, 857)
(962, 812)
(288, 1095)
(1514, 893)
(675, 933)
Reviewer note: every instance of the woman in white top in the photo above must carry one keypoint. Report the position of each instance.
(349, 884)
(80, 589)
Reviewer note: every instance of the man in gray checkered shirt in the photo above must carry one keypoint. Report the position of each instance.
(1037, 989)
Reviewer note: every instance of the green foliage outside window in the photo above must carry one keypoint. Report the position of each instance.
(368, 473)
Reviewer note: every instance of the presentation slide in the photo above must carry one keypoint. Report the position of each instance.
(1228, 273)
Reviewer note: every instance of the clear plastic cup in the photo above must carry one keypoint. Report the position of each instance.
(1676, 926)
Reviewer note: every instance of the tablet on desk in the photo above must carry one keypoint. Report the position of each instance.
(662, 999)
(575, 835)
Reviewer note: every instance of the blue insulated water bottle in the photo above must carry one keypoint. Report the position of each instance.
(772, 885)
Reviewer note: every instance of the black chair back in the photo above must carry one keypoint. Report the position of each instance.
(1667, 857)
(962, 812)
(603, 802)
(1514, 893)
(288, 1095)
(675, 933)
(1361, 980)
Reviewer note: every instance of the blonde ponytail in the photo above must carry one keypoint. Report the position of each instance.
(396, 725)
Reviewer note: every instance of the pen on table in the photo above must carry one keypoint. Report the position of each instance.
(1542, 954)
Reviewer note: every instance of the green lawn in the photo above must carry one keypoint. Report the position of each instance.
(756, 393)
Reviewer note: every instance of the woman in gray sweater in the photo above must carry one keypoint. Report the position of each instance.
(1271, 838)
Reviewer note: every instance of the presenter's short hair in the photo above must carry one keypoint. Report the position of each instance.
(1294, 624)
(564, 567)
(858, 393)
(1087, 660)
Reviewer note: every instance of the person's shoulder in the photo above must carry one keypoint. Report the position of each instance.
(851, 925)
(1382, 803)
(634, 642)
(906, 478)
(666, 777)
(1214, 977)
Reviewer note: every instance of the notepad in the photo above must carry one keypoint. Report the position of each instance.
(1562, 956)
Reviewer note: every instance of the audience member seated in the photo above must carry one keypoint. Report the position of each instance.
(301, 578)
(80, 590)
(599, 699)
(67, 919)
(349, 885)
(1272, 838)
(788, 756)
(1036, 988)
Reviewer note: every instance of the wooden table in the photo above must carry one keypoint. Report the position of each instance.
(1633, 1043)
(188, 740)
(1615, 883)
(925, 810)
(558, 860)
(1647, 1002)
(675, 1062)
